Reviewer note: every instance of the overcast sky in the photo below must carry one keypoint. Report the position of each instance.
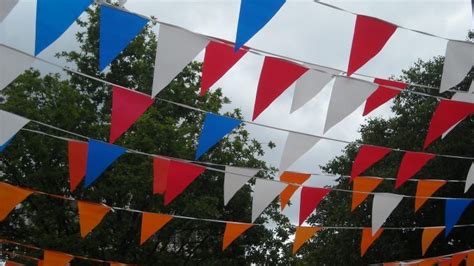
(301, 30)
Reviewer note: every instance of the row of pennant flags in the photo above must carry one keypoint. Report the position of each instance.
(91, 215)
(88, 160)
(178, 47)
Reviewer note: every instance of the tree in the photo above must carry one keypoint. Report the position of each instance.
(82, 105)
(405, 130)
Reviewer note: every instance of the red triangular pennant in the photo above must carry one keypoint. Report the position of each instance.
(310, 199)
(218, 59)
(127, 107)
(412, 162)
(370, 36)
(368, 155)
(382, 94)
(276, 76)
(447, 114)
(160, 175)
(77, 156)
(180, 176)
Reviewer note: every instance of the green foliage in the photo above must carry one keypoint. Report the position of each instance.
(82, 105)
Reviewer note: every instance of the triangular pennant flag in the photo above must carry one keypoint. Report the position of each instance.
(4, 146)
(424, 262)
(99, 157)
(265, 191)
(445, 262)
(412, 162)
(424, 190)
(366, 157)
(296, 146)
(365, 185)
(457, 258)
(232, 231)
(382, 206)
(310, 199)
(370, 36)
(10, 125)
(54, 17)
(253, 16)
(12, 64)
(429, 234)
(382, 94)
(303, 234)
(218, 59)
(447, 114)
(175, 50)
(309, 85)
(347, 95)
(127, 107)
(10, 197)
(367, 239)
(12, 263)
(453, 211)
(117, 29)
(40, 263)
(470, 259)
(469, 178)
(90, 215)
(77, 157)
(54, 258)
(276, 76)
(5, 7)
(461, 97)
(161, 168)
(151, 223)
(234, 179)
(291, 177)
(215, 128)
(458, 62)
(180, 176)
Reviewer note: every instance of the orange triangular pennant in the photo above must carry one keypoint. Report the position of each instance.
(10, 196)
(77, 156)
(40, 263)
(303, 234)
(54, 258)
(291, 177)
(425, 189)
(90, 215)
(151, 223)
(363, 184)
(232, 231)
(117, 264)
(429, 234)
(368, 239)
(458, 258)
(426, 262)
(470, 259)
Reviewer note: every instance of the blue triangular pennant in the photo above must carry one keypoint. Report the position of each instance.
(100, 156)
(3, 146)
(117, 29)
(454, 210)
(214, 129)
(53, 18)
(254, 15)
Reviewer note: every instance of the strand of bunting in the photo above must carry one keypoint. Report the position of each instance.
(50, 257)
(128, 105)
(172, 176)
(455, 259)
(177, 47)
(91, 214)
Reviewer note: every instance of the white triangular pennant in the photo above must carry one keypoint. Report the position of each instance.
(458, 61)
(382, 206)
(309, 85)
(347, 94)
(264, 193)
(175, 50)
(10, 124)
(234, 179)
(5, 7)
(12, 64)
(296, 146)
(469, 178)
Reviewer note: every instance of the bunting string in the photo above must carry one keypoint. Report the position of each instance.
(203, 111)
(114, 208)
(409, 262)
(397, 25)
